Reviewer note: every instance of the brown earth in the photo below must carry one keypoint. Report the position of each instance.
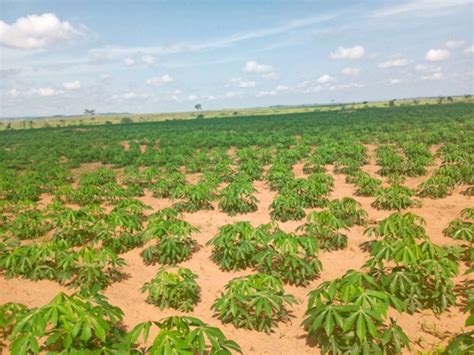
(423, 328)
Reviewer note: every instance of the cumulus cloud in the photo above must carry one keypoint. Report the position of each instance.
(324, 79)
(129, 61)
(45, 92)
(192, 97)
(454, 44)
(346, 86)
(266, 93)
(37, 32)
(434, 76)
(129, 95)
(435, 55)
(254, 67)
(350, 71)
(282, 88)
(395, 81)
(355, 52)
(160, 80)
(243, 83)
(148, 59)
(72, 85)
(393, 63)
(427, 68)
(232, 94)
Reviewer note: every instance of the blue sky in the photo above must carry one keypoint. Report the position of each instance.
(59, 57)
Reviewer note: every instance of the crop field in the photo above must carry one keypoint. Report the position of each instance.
(339, 231)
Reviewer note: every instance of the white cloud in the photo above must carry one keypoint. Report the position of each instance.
(282, 88)
(350, 71)
(254, 67)
(13, 93)
(469, 49)
(243, 83)
(192, 97)
(129, 95)
(148, 59)
(395, 81)
(434, 55)
(160, 80)
(37, 32)
(346, 86)
(45, 92)
(72, 85)
(419, 6)
(454, 44)
(355, 52)
(427, 68)
(266, 93)
(434, 76)
(232, 94)
(129, 61)
(324, 79)
(247, 84)
(392, 63)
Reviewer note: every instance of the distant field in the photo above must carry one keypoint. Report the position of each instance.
(156, 117)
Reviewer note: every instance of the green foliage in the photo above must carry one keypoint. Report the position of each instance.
(182, 335)
(30, 224)
(366, 185)
(409, 266)
(194, 197)
(177, 290)
(395, 197)
(173, 243)
(287, 207)
(235, 245)
(86, 267)
(68, 323)
(290, 257)
(348, 210)
(237, 197)
(348, 315)
(462, 228)
(255, 302)
(325, 227)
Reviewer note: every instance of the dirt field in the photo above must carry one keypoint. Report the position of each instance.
(424, 328)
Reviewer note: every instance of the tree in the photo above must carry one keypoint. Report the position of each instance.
(198, 107)
(89, 112)
(391, 103)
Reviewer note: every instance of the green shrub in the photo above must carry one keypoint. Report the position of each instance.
(255, 302)
(348, 315)
(177, 290)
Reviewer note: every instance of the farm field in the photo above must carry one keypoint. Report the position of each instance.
(298, 233)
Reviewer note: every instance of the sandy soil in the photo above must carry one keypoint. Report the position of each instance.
(424, 328)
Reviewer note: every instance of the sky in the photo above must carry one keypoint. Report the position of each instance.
(60, 57)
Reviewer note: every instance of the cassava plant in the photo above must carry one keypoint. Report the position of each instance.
(349, 315)
(409, 266)
(177, 290)
(326, 229)
(256, 302)
(235, 245)
(290, 257)
(237, 197)
(395, 197)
